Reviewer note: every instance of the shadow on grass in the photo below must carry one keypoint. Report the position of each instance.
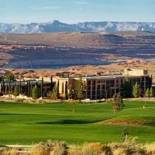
(150, 123)
(10, 114)
(68, 121)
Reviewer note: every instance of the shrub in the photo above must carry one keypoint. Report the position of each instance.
(75, 150)
(106, 150)
(96, 149)
(35, 92)
(150, 149)
(49, 148)
(136, 91)
(16, 91)
(54, 93)
(152, 92)
(9, 151)
(92, 149)
(40, 149)
(133, 147)
(120, 151)
(117, 102)
(147, 92)
(129, 147)
(59, 148)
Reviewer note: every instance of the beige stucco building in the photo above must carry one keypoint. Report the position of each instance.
(105, 86)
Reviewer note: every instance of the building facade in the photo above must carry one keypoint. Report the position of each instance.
(95, 87)
(25, 87)
(99, 87)
(102, 87)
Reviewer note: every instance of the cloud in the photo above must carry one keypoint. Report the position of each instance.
(46, 8)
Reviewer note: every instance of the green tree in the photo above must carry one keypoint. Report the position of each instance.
(35, 92)
(136, 90)
(16, 91)
(151, 92)
(1, 78)
(127, 89)
(147, 92)
(54, 93)
(124, 134)
(9, 76)
(71, 94)
(76, 89)
(118, 103)
(79, 89)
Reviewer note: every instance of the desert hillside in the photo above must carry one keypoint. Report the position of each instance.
(55, 50)
(81, 40)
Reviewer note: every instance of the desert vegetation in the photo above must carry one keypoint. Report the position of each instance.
(128, 147)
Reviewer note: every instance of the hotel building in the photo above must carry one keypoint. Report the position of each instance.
(104, 86)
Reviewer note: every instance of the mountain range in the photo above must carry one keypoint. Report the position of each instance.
(57, 26)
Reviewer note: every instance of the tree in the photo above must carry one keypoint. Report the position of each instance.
(54, 93)
(76, 89)
(124, 134)
(136, 91)
(1, 78)
(35, 92)
(9, 76)
(147, 92)
(71, 94)
(127, 89)
(79, 89)
(117, 102)
(16, 91)
(151, 92)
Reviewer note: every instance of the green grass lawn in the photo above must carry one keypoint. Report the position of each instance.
(28, 124)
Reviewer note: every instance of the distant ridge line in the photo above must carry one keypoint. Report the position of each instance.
(57, 26)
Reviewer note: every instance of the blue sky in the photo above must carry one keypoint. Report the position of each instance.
(73, 11)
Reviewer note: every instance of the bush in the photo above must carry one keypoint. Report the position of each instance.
(129, 147)
(40, 149)
(35, 92)
(151, 92)
(59, 148)
(96, 149)
(10, 151)
(150, 149)
(117, 102)
(54, 93)
(75, 150)
(16, 91)
(120, 151)
(136, 92)
(49, 148)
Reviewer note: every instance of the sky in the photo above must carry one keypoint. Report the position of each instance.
(74, 11)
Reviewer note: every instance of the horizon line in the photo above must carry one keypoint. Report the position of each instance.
(86, 21)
